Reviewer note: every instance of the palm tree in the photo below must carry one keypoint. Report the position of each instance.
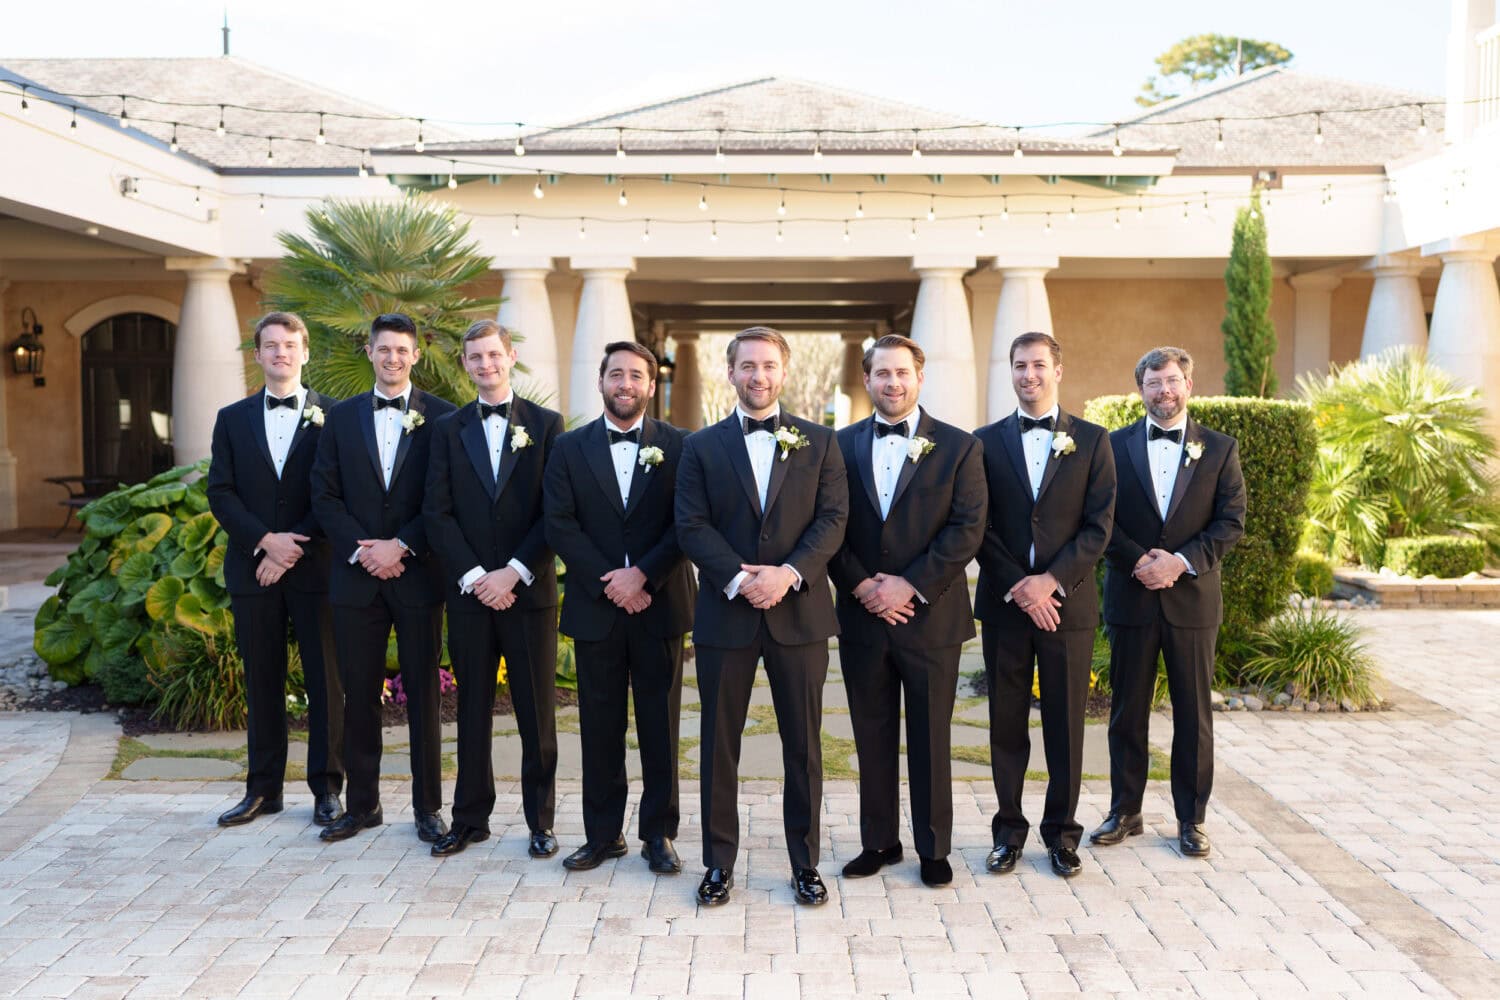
(360, 259)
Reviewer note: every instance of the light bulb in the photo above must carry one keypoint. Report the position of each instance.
(646, 232)
(818, 147)
(1004, 208)
(1422, 119)
(520, 147)
(452, 182)
(515, 226)
(270, 151)
(719, 147)
(1017, 152)
(913, 233)
(1047, 228)
(1117, 218)
(537, 192)
(124, 115)
(1118, 150)
(979, 230)
(932, 208)
(620, 144)
(1072, 208)
(583, 232)
(781, 206)
(363, 172)
(916, 150)
(74, 123)
(703, 198)
(220, 130)
(713, 232)
(624, 199)
(1219, 140)
(262, 204)
(173, 145)
(25, 106)
(859, 206)
(846, 230)
(322, 137)
(1318, 135)
(779, 235)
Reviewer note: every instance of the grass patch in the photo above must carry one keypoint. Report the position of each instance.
(131, 750)
(836, 753)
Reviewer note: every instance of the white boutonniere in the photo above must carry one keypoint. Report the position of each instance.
(649, 457)
(313, 415)
(412, 420)
(1194, 451)
(519, 438)
(790, 439)
(917, 447)
(1062, 445)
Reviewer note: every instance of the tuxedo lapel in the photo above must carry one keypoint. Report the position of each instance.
(366, 414)
(1054, 459)
(602, 463)
(257, 420)
(477, 446)
(415, 403)
(640, 476)
(1010, 439)
(864, 462)
(908, 467)
(1136, 448)
(520, 417)
(1185, 472)
(732, 440)
(312, 399)
(778, 467)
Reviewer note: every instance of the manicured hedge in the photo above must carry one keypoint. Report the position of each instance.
(1313, 572)
(1434, 555)
(1277, 449)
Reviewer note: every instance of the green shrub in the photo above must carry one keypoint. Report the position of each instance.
(1435, 555)
(1314, 654)
(1277, 449)
(1313, 572)
(1249, 334)
(1103, 682)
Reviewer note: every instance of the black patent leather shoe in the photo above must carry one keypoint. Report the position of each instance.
(1065, 861)
(591, 856)
(714, 889)
(1002, 859)
(430, 827)
(1192, 840)
(326, 809)
(1116, 827)
(661, 857)
(808, 887)
(870, 861)
(936, 871)
(541, 844)
(248, 808)
(349, 824)
(456, 839)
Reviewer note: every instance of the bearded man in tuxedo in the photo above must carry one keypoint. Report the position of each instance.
(761, 506)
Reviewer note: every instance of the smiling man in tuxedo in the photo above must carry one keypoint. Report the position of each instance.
(917, 508)
(276, 570)
(484, 517)
(367, 493)
(1181, 509)
(761, 506)
(1052, 495)
(610, 490)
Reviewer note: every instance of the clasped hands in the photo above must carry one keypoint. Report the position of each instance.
(1158, 569)
(765, 586)
(626, 587)
(381, 557)
(280, 552)
(888, 597)
(1036, 596)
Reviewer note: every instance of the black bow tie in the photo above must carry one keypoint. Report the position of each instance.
(290, 402)
(882, 429)
(501, 410)
(633, 436)
(1031, 424)
(768, 425)
(398, 403)
(1157, 432)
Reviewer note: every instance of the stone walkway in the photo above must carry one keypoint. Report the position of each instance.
(1352, 856)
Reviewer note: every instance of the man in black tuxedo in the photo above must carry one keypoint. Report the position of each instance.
(1052, 496)
(1180, 511)
(917, 507)
(276, 570)
(484, 518)
(761, 507)
(629, 601)
(367, 494)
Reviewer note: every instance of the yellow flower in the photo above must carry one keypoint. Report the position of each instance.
(500, 673)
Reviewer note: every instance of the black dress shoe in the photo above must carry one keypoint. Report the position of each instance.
(1002, 859)
(870, 861)
(349, 824)
(456, 839)
(1192, 840)
(1116, 827)
(936, 871)
(591, 856)
(248, 808)
(808, 887)
(430, 827)
(542, 844)
(661, 857)
(326, 809)
(1064, 861)
(714, 889)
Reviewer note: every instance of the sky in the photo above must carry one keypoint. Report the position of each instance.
(1026, 62)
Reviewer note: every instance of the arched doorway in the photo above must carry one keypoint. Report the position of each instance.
(127, 397)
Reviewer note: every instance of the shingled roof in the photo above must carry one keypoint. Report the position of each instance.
(225, 80)
(751, 117)
(1365, 139)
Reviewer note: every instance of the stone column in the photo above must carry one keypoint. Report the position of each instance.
(526, 308)
(603, 316)
(1023, 308)
(1396, 316)
(208, 368)
(940, 326)
(687, 382)
(8, 496)
(1465, 338)
(1312, 326)
(852, 377)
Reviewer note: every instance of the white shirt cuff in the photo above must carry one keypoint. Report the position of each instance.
(924, 600)
(522, 571)
(1185, 564)
(467, 581)
(355, 557)
(798, 584)
(733, 590)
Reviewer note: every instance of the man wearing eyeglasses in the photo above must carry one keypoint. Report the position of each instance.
(1179, 509)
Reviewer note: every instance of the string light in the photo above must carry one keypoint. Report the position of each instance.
(1072, 208)
(173, 146)
(1219, 139)
(583, 232)
(520, 147)
(197, 196)
(1017, 152)
(779, 235)
(421, 145)
(913, 229)
(1047, 226)
(932, 208)
(818, 146)
(452, 180)
(1140, 205)
(537, 192)
(1318, 135)
(916, 150)
(1117, 218)
(25, 106)
(619, 144)
(713, 231)
(703, 197)
(1206, 209)
(646, 232)
(74, 123)
(781, 205)
(624, 199)
(124, 115)
(719, 147)
(859, 204)
(262, 204)
(979, 230)
(220, 130)
(322, 139)
(1422, 120)
(363, 170)
(1118, 150)
(270, 151)
(1005, 208)
(1185, 212)
(515, 226)
(846, 230)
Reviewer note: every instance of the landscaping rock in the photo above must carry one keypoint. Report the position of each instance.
(1282, 700)
(1216, 699)
(1312, 706)
(181, 768)
(1348, 706)
(1253, 703)
(1235, 703)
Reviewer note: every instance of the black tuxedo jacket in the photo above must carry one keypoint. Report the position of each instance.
(720, 525)
(248, 500)
(1068, 522)
(934, 526)
(477, 519)
(351, 501)
(1204, 519)
(594, 532)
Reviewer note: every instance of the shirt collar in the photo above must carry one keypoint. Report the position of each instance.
(1050, 413)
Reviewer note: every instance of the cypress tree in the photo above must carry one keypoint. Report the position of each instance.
(1249, 334)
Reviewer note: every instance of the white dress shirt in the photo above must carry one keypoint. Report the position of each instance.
(1165, 456)
(888, 456)
(388, 431)
(496, 434)
(1036, 447)
(624, 454)
(281, 427)
(762, 448)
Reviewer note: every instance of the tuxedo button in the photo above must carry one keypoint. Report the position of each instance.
(765, 538)
(885, 552)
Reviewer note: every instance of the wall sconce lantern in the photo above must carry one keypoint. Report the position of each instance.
(664, 370)
(26, 351)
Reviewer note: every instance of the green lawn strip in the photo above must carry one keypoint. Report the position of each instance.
(131, 750)
(836, 754)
